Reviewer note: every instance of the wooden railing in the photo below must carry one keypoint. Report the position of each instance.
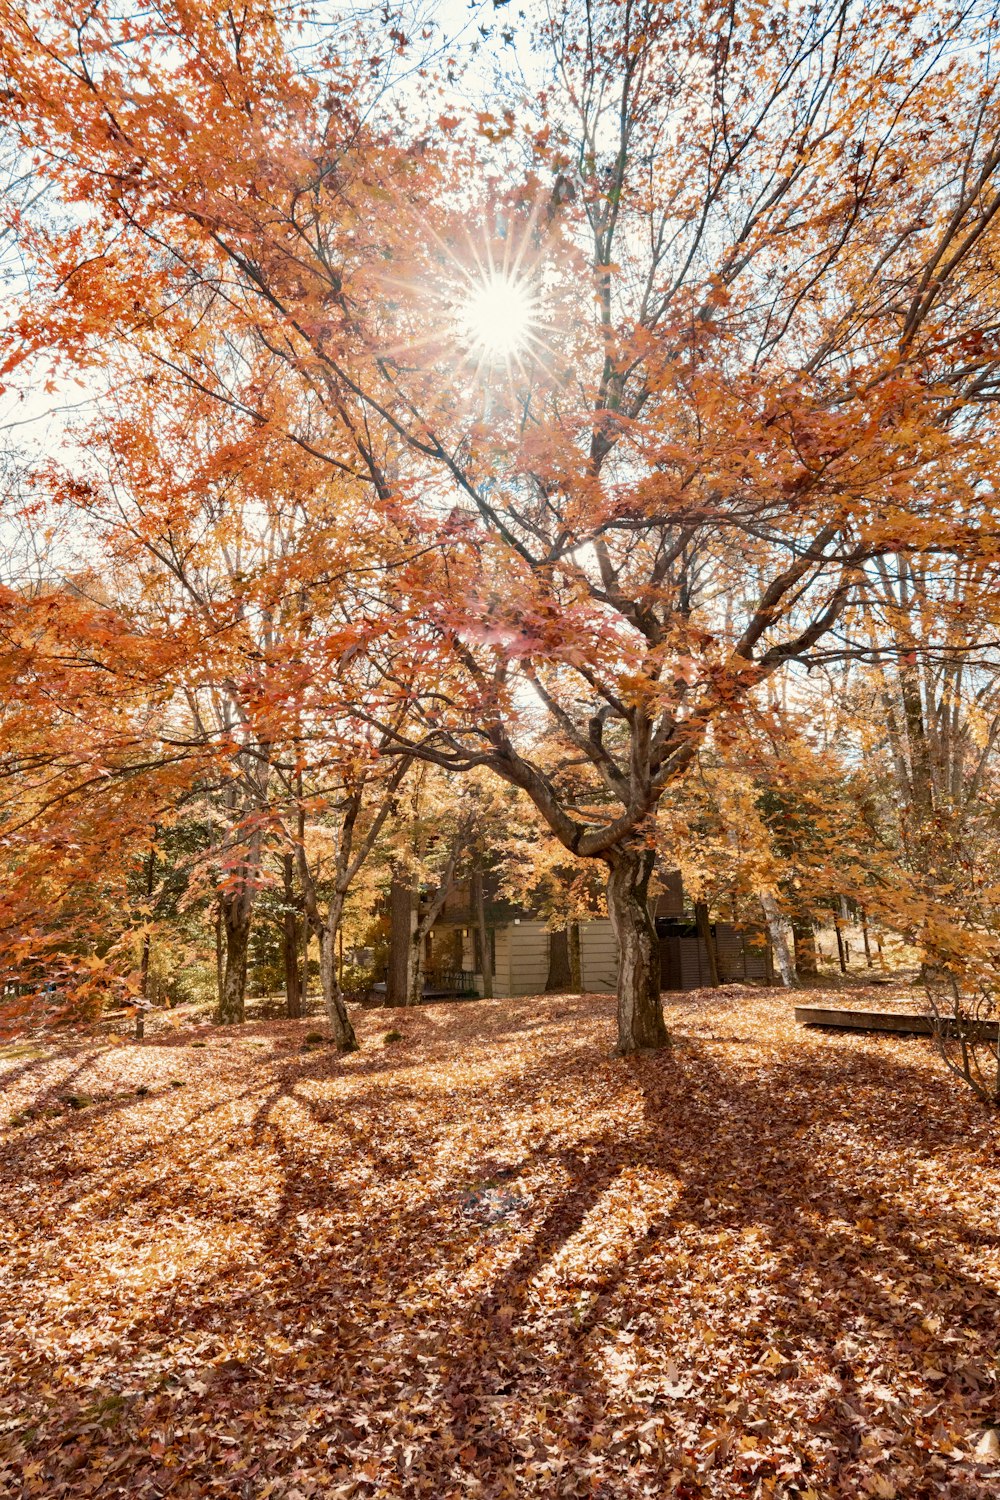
(450, 981)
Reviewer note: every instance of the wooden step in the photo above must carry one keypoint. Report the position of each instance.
(904, 1022)
(865, 1020)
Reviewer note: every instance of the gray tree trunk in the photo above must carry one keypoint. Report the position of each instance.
(485, 951)
(640, 1014)
(236, 929)
(333, 997)
(782, 946)
(290, 945)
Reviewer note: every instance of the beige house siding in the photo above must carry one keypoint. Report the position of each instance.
(528, 946)
(522, 957)
(598, 955)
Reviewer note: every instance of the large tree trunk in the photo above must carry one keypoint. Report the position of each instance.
(236, 917)
(640, 1015)
(559, 977)
(290, 943)
(784, 951)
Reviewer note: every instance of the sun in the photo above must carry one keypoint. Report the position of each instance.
(498, 317)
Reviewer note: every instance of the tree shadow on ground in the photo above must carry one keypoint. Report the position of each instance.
(798, 1171)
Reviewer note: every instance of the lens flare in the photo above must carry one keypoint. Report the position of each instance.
(498, 317)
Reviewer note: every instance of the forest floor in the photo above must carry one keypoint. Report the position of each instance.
(490, 1259)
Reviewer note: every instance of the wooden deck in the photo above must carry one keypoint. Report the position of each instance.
(905, 1021)
(902, 1022)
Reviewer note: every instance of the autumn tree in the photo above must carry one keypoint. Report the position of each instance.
(651, 368)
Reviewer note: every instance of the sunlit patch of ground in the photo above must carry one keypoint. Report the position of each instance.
(492, 1260)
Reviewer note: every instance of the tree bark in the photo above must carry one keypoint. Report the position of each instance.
(784, 951)
(575, 958)
(707, 937)
(485, 951)
(559, 978)
(236, 925)
(333, 998)
(865, 939)
(290, 944)
(840, 945)
(804, 937)
(640, 1015)
(397, 986)
(433, 907)
(220, 968)
(415, 963)
(140, 1015)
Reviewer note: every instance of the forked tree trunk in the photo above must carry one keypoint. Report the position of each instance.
(236, 929)
(333, 997)
(640, 1015)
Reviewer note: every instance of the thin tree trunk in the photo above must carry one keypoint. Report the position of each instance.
(865, 939)
(806, 962)
(140, 1015)
(784, 951)
(559, 979)
(840, 945)
(485, 952)
(415, 964)
(290, 944)
(707, 939)
(640, 1015)
(219, 964)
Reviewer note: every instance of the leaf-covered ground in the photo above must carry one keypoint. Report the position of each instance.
(491, 1260)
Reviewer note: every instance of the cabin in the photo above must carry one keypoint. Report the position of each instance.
(530, 958)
